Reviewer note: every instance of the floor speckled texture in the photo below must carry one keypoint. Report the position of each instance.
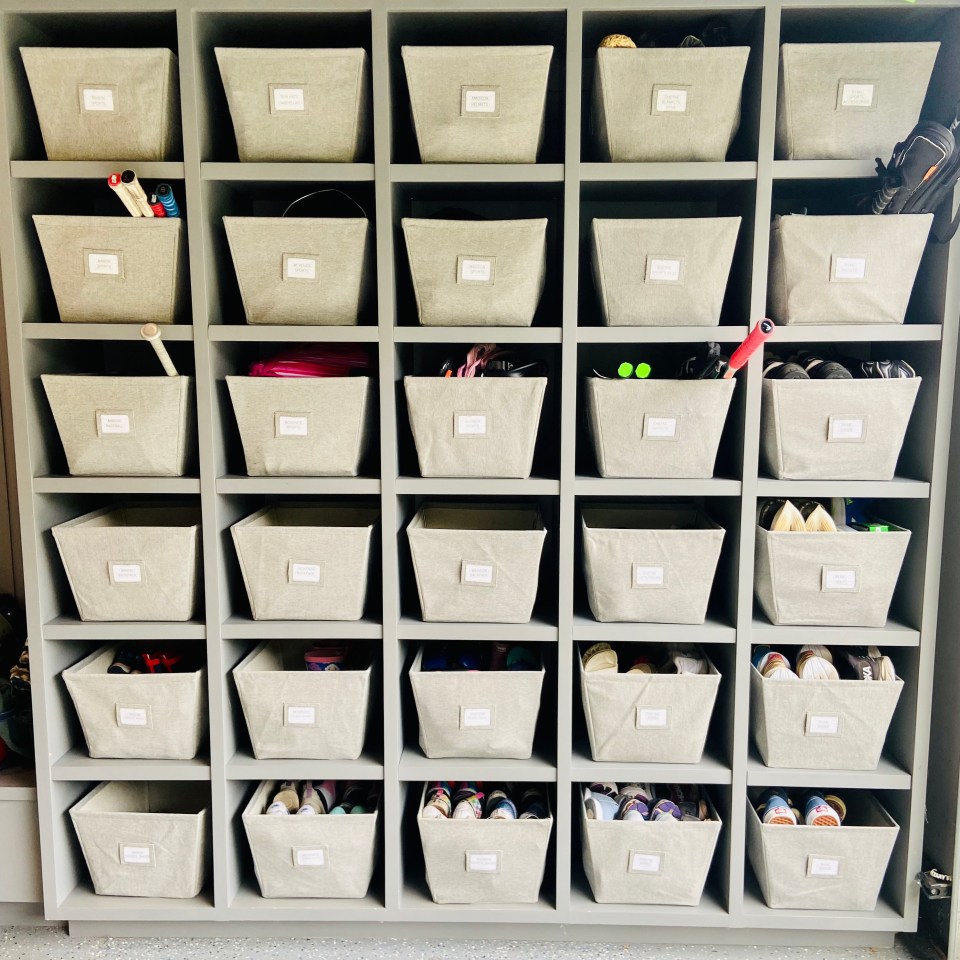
(46, 943)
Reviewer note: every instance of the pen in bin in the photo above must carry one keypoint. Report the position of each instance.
(117, 186)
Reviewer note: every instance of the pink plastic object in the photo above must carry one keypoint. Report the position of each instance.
(755, 338)
(315, 360)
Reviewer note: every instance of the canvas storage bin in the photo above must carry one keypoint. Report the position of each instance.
(297, 104)
(477, 104)
(476, 273)
(821, 724)
(849, 101)
(301, 270)
(322, 857)
(648, 717)
(657, 428)
(667, 105)
(114, 269)
(844, 269)
(823, 868)
(293, 712)
(484, 861)
(491, 713)
(137, 716)
(639, 569)
(123, 426)
(477, 563)
(835, 429)
(475, 426)
(629, 861)
(105, 104)
(303, 426)
(306, 561)
(145, 839)
(137, 561)
(662, 273)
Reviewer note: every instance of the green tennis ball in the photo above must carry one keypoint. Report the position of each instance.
(642, 371)
(625, 369)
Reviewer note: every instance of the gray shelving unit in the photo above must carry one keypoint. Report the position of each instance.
(212, 340)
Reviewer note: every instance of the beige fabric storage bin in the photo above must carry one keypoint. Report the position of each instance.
(844, 269)
(145, 839)
(137, 561)
(137, 716)
(667, 105)
(823, 868)
(639, 568)
(475, 426)
(97, 103)
(835, 429)
(477, 563)
(302, 270)
(322, 857)
(306, 561)
(297, 104)
(476, 273)
(842, 579)
(633, 861)
(491, 713)
(657, 428)
(123, 426)
(821, 724)
(303, 426)
(648, 717)
(294, 712)
(114, 269)
(478, 104)
(662, 273)
(484, 861)
(849, 101)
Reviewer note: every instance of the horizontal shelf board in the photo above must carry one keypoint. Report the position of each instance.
(604, 487)
(705, 170)
(17, 784)
(710, 912)
(244, 766)
(268, 332)
(710, 769)
(757, 914)
(476, 172)
(416, 904)
(243, 628)
(536, 630)
(824, 169)
(888, 776)
(892, 635)
(101, 331)
(76, 765)
(478, 486)
(248, 904)
(132, 485)
(72, 628)
(94, 170)
(854, 332)
(320, 172)
(897, 487)
(477, 334)
(83, 904)
(298, 485)
(588, 630)
(414, 766)
(731, 333)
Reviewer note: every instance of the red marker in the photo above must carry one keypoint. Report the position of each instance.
(757, 336)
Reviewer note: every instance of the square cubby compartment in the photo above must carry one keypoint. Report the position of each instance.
(276, 426)
(94, 88)
(833, 262)
(498, 98)
(665, 255)
(301, 559)
(496, 426)
(470, 255)
(290, 86)
(663, 103)
(106, 408)
(659, 426)
(291, 253)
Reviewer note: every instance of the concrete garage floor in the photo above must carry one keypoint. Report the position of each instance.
(52, 943)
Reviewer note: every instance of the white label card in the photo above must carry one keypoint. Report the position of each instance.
(106, 264)
(655, 717)
(302, 716)
(476, 716)
(132, 716)
(141, 856)
(476, 271)
(823, 867)
(311, 858)
(664, 428)
(828, 726)
(483, 862)
(839, 579)
(645, 862)
(856, 94)
(288, 98)
(647, 576)
(663, 269)
(300, 268)
(98, 99)
(480, 101)
(849, 268)
(291, 426)
(851, 429)
(304, 572)
(114, 423)
(472, 424)
(478, 573)
(126, 573)
(671, 101)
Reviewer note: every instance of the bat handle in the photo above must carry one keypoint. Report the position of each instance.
(151, 333)
(757, 336)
